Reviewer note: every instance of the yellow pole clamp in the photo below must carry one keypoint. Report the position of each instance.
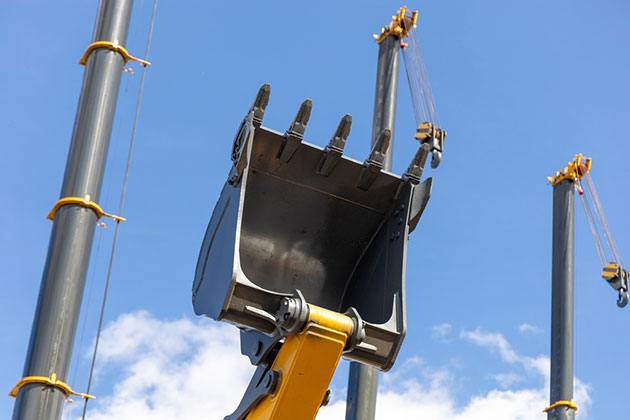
(64, 201)
(561, 403)
(400, 26)
(51, 381)
(113, 47)
(574, 171)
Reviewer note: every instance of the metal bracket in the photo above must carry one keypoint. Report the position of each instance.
(112, 46)
(334, 150)
(51, 381)
(259, 347)
(358, 333)
(374, 163)
(295, 133)
(239, 157)
(263, 383)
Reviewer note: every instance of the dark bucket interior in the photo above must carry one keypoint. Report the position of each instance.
(301, 230)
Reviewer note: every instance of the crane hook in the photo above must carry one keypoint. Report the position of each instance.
(622, 301)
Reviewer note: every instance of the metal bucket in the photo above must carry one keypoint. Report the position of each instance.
(293, 216)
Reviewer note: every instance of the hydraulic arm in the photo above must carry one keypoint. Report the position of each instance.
(296, 364)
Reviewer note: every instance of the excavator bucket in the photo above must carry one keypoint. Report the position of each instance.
(295, 217)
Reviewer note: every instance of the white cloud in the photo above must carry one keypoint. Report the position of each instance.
(508, 379)
(169, 369)
(538, 365)
(493, 341)
(189, 370)
(441, 332)
(526, 328)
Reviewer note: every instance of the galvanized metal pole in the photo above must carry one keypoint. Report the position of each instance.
(561, 388)
(386, 92)
(63, 280)
(363, 379)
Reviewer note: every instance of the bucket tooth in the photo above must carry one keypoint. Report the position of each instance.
(416, 167)
(335, 147)
(260, 104)
(374, 163)
(295, 133)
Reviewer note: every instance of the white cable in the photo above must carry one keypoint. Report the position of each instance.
(591, 224)
(417, 77)
(602, 219)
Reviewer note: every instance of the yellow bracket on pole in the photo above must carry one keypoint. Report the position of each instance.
(64, 201)
(561, 403)
(112, 47)
(574, 171)
(400, 26)
(306, 363)
(51, 381)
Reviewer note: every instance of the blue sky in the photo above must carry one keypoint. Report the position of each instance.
(520, 87)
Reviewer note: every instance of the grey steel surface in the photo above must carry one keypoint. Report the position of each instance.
(363, 379)
(362, 389)
(561, 388)
(263, 383)
(63, 280)
(386, 91)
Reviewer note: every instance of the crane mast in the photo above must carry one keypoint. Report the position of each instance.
(566, 182)
(42, 391)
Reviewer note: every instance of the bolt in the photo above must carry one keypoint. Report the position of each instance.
(326, 399)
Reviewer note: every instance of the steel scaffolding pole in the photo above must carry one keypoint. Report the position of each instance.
(63, 279)
(363, 379)
(561, 388)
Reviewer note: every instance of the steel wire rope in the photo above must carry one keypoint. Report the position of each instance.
(121, 202)
(84, 320)
(593, 227)
(418, 80)
(602, 219)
